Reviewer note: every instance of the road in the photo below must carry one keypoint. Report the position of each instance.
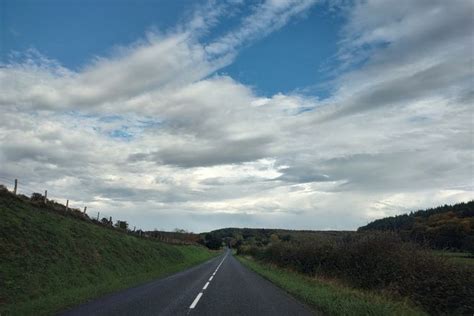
(220, 286)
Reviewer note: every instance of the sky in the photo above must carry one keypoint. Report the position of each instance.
(207, 114)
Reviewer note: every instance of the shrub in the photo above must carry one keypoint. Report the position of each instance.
(37, 197)
(378, 261)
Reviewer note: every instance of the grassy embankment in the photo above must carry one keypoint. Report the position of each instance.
(327, 296)
(50, 262)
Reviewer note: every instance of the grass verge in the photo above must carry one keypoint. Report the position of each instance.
(49, 262)
(327, 297)
(459, 258)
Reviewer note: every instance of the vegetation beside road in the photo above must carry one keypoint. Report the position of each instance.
(49, 262)
(327, 296)
(425, 257)
(378, 262)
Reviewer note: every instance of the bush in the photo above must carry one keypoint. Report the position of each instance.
(383, 262)
(378, 261)
(37, 197)
(248, 250)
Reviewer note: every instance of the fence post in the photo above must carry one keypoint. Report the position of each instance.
(85, 209)
(45, 196)
(16, 185)
(67, 205)
(98, 215)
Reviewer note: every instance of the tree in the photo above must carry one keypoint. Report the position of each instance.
(181, 231)
(122, 225)
(105, 221)
(212, 241)
(37, 197)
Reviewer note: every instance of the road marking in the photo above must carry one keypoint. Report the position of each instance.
(198, 297)
(196, 300)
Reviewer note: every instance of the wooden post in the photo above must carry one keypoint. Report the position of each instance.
(98, 214)
(85, 209)
(16, 185)
(110, 220)
(45, 196)
(67, 205)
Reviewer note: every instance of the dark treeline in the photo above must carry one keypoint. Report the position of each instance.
(444, 227)
(234, 237)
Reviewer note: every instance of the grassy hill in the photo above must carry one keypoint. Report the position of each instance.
(50, 261)
(444, 227)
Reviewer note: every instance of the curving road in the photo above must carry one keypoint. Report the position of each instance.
(220, 286)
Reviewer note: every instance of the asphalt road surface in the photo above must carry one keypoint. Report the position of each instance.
(220, 286)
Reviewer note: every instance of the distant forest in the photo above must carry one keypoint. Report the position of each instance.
(444, 227)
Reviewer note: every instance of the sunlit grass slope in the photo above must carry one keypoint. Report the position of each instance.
(49, 262)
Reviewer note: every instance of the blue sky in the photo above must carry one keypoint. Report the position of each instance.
(303, 114)
(73, 33)
(296, 57)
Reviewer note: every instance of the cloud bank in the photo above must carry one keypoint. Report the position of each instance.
(155, 135)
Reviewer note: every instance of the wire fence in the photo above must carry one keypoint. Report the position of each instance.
(84, 212)
(19, 188)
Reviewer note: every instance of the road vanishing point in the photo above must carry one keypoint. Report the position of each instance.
(220, 286)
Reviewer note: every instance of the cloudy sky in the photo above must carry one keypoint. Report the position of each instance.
(206, 114)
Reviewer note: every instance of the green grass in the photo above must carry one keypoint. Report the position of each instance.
(49, 262)
(328, 297)
(458, 258)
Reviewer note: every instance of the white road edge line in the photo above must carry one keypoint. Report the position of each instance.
(196, 300)
(205, 286)
(210, 279)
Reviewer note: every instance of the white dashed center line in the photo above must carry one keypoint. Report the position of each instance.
(198, 297)
(196, 300)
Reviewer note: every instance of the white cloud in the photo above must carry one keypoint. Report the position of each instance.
(153, 136)
(266, 18)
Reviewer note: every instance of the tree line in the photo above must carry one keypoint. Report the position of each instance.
(443, 227)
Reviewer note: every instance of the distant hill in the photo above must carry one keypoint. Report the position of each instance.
(444, 227)
(52, 258)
